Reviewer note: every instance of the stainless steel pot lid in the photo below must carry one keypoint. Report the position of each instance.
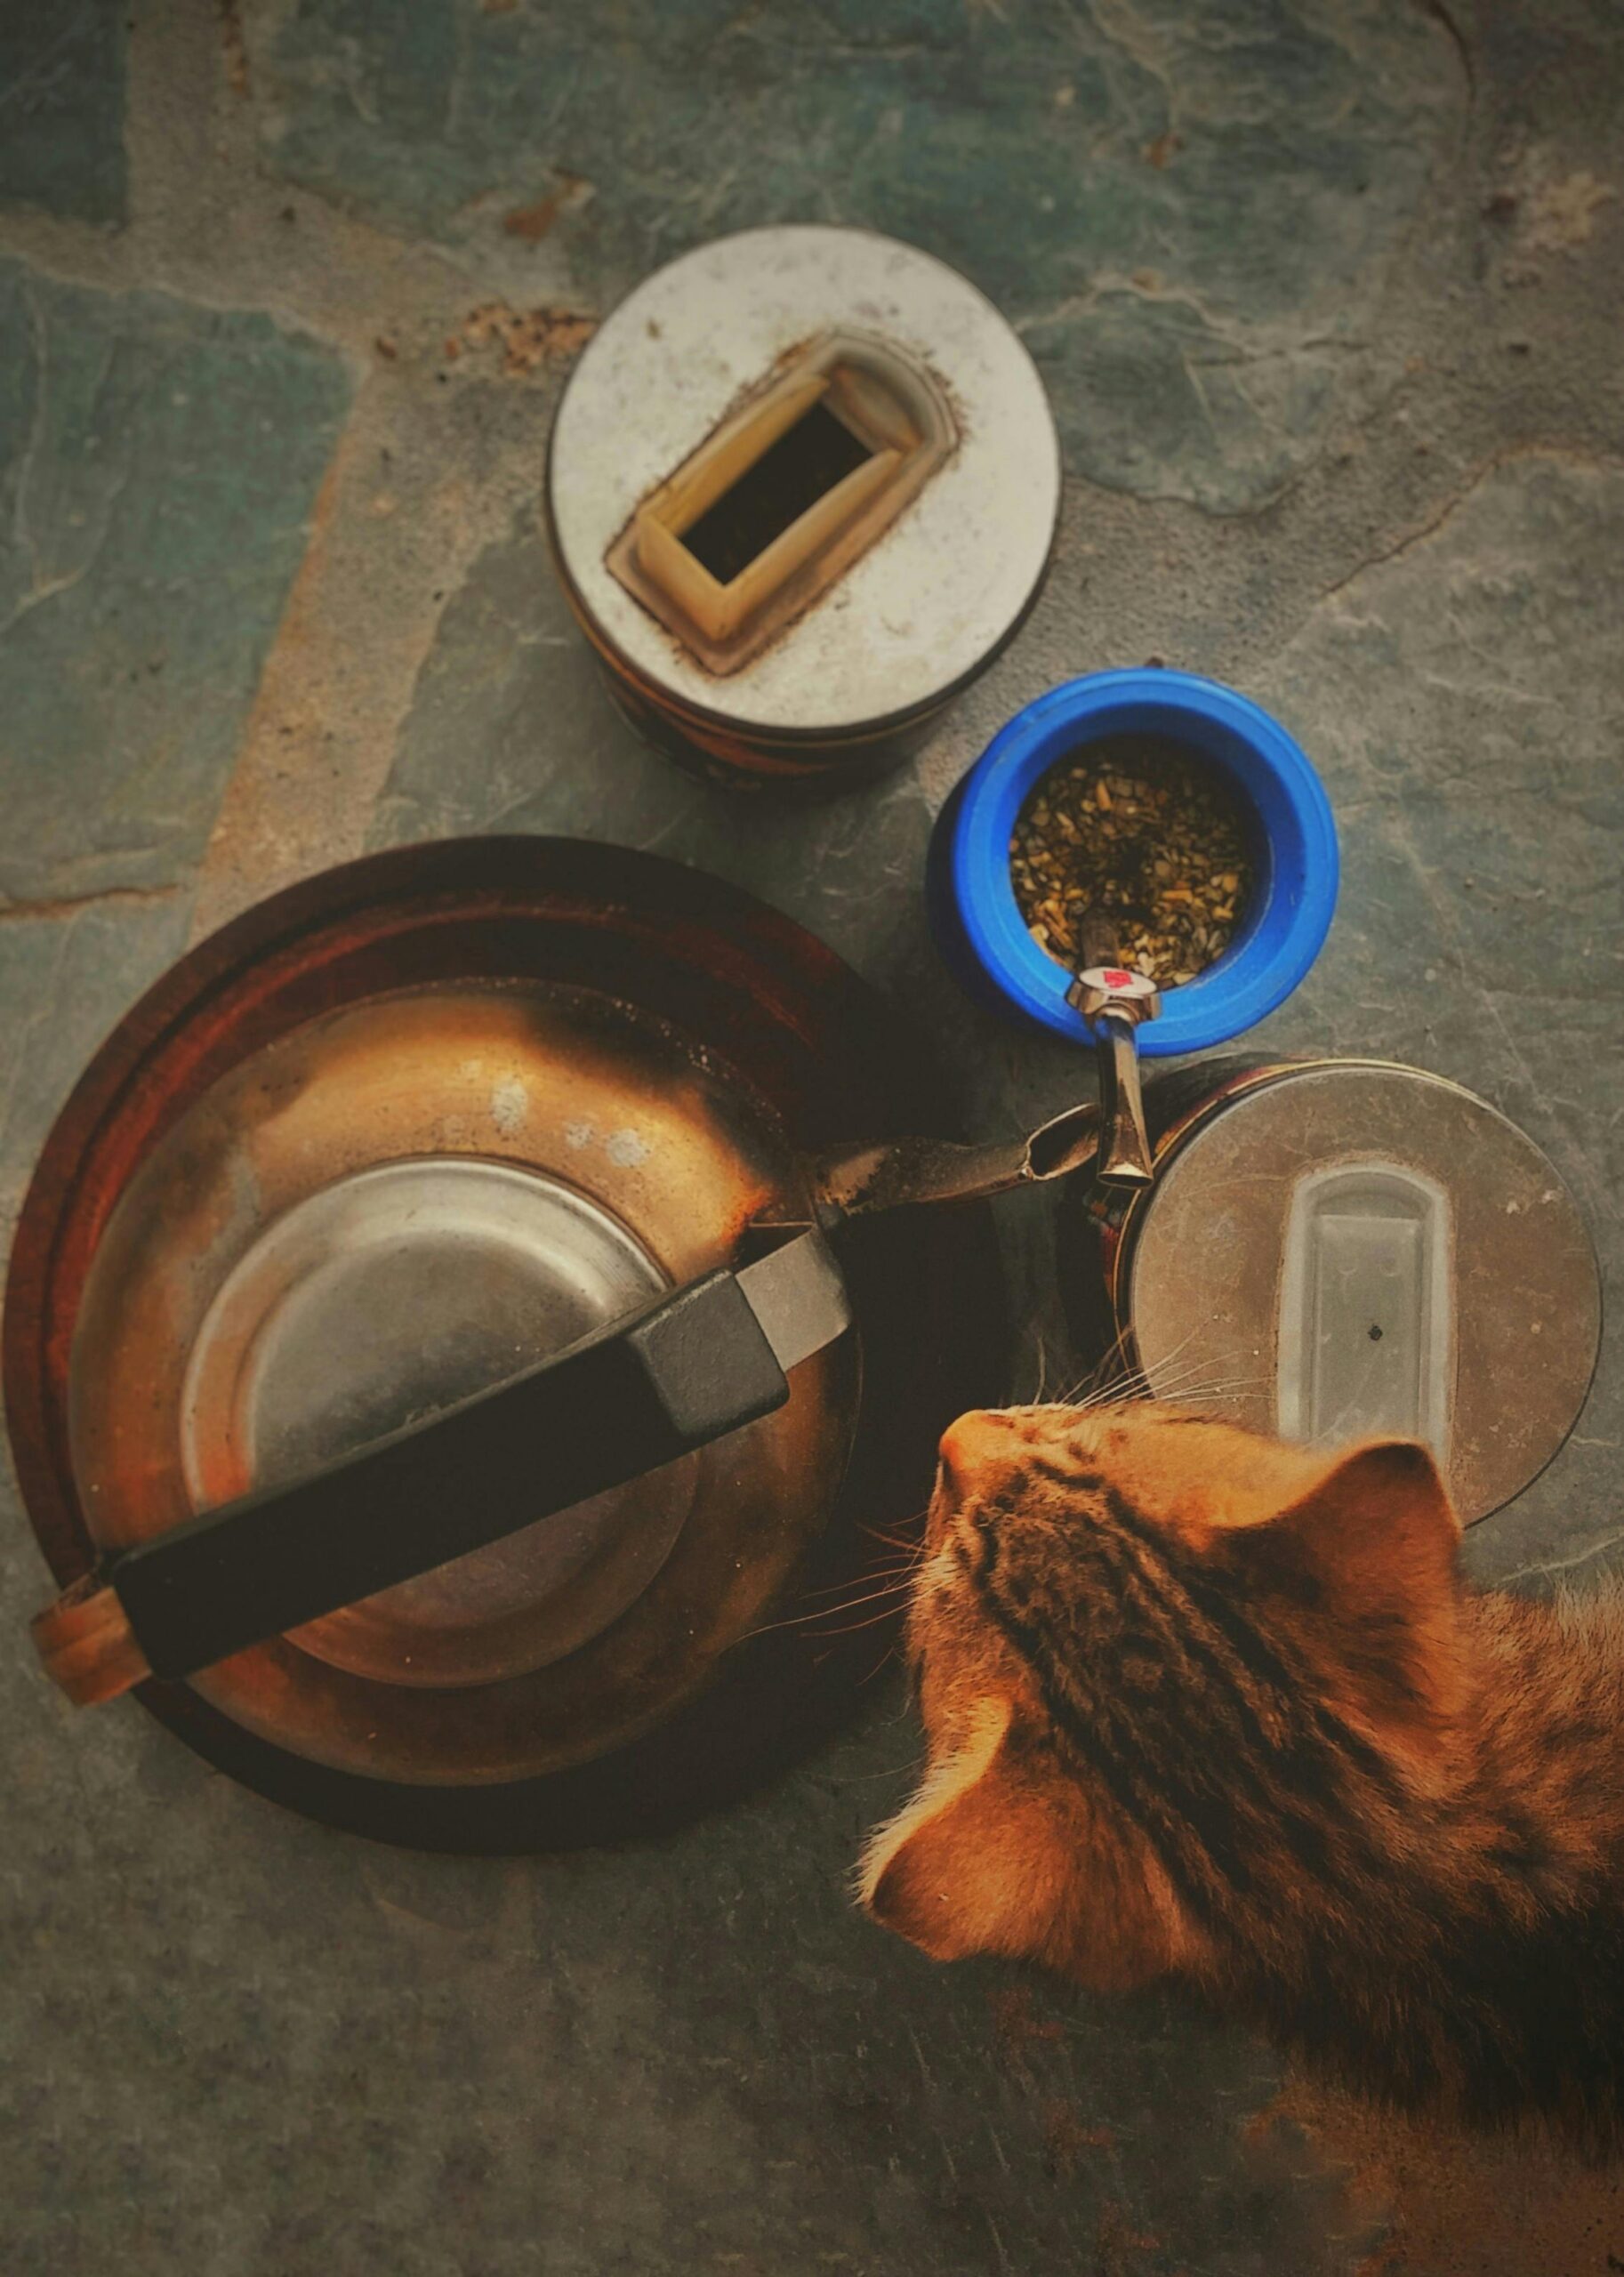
(398, 1206)
(1340, 1249)
(389, 1295)
(948, 474)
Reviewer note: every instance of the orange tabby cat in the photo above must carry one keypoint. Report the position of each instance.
(1206, 1705)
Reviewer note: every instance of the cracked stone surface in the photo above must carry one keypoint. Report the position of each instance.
(1133, 168)
(1326, 296)
(158, 465)
(62, 107)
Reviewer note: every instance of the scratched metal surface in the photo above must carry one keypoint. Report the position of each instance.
(1326, 299)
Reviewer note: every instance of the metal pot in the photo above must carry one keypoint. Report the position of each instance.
(1334, 1249)
(441, 1344)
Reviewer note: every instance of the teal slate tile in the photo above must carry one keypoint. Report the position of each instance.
(158, 463)
(1188, 206)
(510, 728)
(62, 107)
(65, 980)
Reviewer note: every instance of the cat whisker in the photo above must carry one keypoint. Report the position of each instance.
(850, 1628)
(889, 1654)
(1122, 1389)
(1169, 1373)
(898, 1572)
(1043, 1372)
(1115, 1381)
(911, 1544)
(895, 1591)
(1194, 1382)
(1127, 1385)
(1218, 1388)
(897, 1534)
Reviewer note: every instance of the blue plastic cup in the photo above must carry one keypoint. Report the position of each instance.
(977, 921)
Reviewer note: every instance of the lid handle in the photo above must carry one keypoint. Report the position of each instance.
(910, 1172)
(784, 494)
(691, 1367)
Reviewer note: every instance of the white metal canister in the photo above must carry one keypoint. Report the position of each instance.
(801, 489)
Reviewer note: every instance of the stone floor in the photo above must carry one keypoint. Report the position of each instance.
(1328, 296)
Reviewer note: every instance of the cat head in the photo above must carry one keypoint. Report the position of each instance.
(1157, 1656)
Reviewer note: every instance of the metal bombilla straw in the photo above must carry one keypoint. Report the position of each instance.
(1114, 999)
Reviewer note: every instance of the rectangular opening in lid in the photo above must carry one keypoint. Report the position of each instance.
(783, 495)
(802, 466)
(1367, 1307)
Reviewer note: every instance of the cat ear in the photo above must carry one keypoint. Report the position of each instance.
(973, 1866)
(1380, 1513)
(1370, 1555)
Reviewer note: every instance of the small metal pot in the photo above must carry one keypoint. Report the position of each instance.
(802, 489)
(1335, 1249)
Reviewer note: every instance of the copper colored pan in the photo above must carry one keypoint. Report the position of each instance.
(406, 1129)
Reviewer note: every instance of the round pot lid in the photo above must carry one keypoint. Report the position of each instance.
(394, 1135)
(1341, 1250)
(404, 1201)
(379, 1297)
(671, 511)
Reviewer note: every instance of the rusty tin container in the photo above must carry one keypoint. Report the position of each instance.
(802, 489)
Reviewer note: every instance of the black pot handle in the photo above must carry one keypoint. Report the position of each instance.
(696, 1364)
